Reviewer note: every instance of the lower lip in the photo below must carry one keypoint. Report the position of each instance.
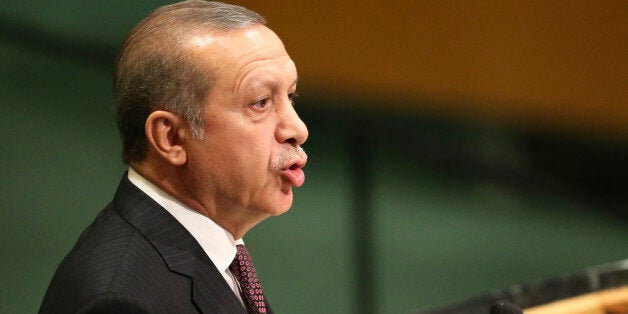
(296, 176)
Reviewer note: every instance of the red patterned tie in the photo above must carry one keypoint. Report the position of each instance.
(242, 268)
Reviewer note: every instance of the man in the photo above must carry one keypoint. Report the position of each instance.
(203, 100)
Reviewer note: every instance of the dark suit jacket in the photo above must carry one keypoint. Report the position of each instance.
(136, 258)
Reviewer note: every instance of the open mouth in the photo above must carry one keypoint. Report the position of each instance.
(294, 173)
(295, 164)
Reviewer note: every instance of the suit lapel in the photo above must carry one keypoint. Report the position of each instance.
(210, 292)
(178, 248)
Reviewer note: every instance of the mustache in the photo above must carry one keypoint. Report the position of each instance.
(288, 156)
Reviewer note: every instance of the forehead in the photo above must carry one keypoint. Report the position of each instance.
(235, 55)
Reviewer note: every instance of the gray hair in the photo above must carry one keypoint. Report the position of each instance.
(154, 71)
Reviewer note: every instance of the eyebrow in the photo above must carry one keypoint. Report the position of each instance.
(269, 82)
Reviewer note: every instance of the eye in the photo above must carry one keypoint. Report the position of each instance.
(261, 104)
(293, 96)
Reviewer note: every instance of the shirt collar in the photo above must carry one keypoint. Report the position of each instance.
(218, 243)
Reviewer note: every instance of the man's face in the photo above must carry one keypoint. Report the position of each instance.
(250, 157)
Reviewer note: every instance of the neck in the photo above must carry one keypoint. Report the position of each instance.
(168, 179)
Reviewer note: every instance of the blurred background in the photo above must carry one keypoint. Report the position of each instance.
(456, 147)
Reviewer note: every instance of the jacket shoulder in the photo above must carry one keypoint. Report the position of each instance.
(112, 264)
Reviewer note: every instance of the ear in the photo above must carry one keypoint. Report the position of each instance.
(165, 132)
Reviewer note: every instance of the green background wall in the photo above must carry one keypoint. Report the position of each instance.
(440, 231)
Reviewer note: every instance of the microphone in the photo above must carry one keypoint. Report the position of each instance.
(503, 307)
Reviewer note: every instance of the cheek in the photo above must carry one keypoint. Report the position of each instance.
(244, 147)
(257, 148)
(258, 156)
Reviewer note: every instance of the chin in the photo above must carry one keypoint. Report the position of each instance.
(282, 204)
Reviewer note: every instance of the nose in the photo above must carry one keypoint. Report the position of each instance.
(291, 129)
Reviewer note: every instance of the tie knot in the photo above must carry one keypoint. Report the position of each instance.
(242, 252)
(244, 271)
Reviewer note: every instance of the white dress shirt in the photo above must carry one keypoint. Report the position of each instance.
(218, 243)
